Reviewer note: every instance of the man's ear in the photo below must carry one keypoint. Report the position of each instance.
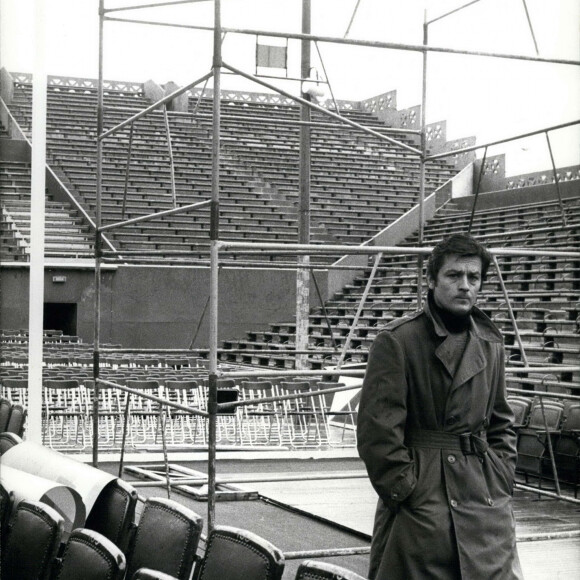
(430, 282)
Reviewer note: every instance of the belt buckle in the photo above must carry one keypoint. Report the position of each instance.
(466, 443)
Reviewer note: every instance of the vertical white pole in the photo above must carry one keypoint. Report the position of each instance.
(37, 203)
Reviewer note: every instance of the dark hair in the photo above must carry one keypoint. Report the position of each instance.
(462, 245)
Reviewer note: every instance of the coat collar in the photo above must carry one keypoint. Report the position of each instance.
(474, 360)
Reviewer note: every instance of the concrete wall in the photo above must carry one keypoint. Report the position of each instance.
(155, 307)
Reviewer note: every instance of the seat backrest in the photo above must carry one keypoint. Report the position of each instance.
(34, 534)
(5, 410)
(17, 420)
(314, 570)
(6, 499)
(90, 556)
(237, 554)
(520, 407)
(572, 420)
(166, 539)
(8, 440)
(113, 513)
(553, 413)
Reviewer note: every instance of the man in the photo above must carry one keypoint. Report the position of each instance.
(435, 432)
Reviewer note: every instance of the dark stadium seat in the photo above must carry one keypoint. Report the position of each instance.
(5, 410)
(567, 448)
(532, 440)
(237, 554)
(113, 513)
(166, 539)
(34, 535)
(17, 420)
(7, 441)
(314, 570)
(6, 500)
(88, 555)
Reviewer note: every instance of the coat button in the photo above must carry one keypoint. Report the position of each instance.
(489, 501)
(452, 420)
(451, 458)
(453, 503)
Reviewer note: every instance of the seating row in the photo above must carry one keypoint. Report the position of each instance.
(544, 425)
(162, 545)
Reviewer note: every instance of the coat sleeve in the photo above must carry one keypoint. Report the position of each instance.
(381, 422)
(501, 436)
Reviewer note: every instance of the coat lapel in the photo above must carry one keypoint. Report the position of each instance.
(472, 362)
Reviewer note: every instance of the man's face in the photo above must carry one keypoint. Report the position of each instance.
(457, 285)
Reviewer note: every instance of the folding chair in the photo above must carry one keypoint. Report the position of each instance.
(16, 390)
(314, 570)
(143, 413)
(64, 413)
(34, 534)
(236, 554)
(304, 420)
(90, 556)
(185, 427)
(347, 413)
(166, 539)
(260, 422)
(111, 405)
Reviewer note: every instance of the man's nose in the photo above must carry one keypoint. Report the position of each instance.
(463, 283)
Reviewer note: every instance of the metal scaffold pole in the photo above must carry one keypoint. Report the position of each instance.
(422, 162)
(37, 227)
(214, 265)
(98, 243)
(303, 274)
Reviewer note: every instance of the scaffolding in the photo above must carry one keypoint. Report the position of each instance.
(303, 249)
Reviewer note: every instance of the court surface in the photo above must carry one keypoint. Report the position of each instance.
(337, 511)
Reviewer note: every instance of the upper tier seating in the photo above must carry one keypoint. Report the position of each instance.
(359, 185)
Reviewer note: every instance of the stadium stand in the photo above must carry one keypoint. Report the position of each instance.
(358, 184)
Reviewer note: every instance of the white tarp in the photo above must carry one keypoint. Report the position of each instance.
(84, 482)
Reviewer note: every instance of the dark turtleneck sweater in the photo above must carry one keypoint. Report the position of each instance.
(456, 326)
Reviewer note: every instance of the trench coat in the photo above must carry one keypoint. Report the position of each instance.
(444, 511)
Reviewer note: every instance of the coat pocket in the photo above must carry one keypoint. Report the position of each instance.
(500, 468)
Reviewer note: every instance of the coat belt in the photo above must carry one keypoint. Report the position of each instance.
(467, 443)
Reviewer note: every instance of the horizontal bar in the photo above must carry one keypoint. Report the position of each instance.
(547, 493)
(307, 394)
(326, 112)
(152, 216)
(251, 478)
(154, 106)
(543, 394)
(156, 5)
(292, 373)
(159, 400)
(331, 552)
(315, 248)
(500, 141)
(356, 42)
(552, 369)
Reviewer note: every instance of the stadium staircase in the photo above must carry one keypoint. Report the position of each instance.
(66, 234)
(545, 292)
